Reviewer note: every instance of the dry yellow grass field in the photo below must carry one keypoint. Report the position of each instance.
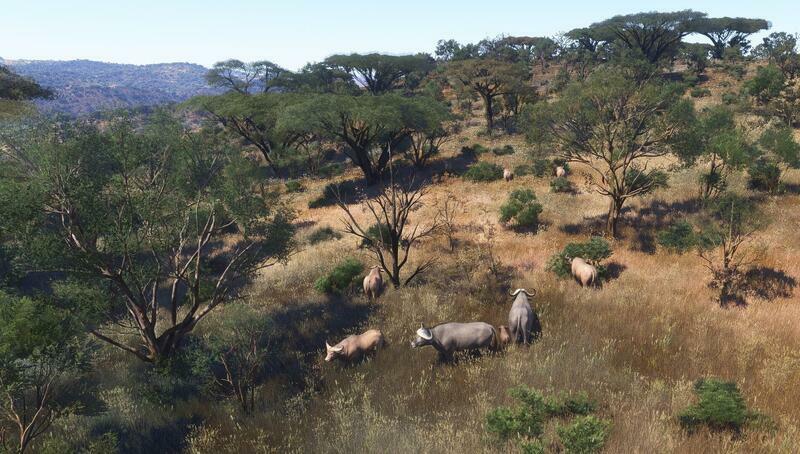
(635, 346)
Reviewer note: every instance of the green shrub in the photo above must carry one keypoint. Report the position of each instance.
(377, 233)
(720, 406)
(579, 404)
(593, 251)
(340, 278)
(522, 170)
(542, 167)
(700, 92)
(331, 170)
(522, 208)
(483, 172)
(294, 186)
(559, 162)
(474, 150)
(560, 184)
(505, 150)
(532, 447)
(678, 238)
(764, 175)
(587, 434)
(730, 98)
(323, 234)
(525, 420)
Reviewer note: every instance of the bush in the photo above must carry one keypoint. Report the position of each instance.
(730, 98)
(720, 406)
(474, 150)
(294, 186)
(525, 420)
(483, 172)
(532, 447)
(587, 434)
(764, 176)
(506, 150)
(340, 278)
(523, 208)
(522, 170)
(560, 184)
(331, 170)
(542, 167)
(377, 233)
(700, 92)
(678, 238)
(593, 251)
(579, 404)
(323, 234)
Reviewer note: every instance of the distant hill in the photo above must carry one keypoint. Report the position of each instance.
(84, 87)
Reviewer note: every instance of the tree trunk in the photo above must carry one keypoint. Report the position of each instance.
(614, 211)
(489, 113)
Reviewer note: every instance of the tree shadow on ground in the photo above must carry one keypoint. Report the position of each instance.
(768, 283)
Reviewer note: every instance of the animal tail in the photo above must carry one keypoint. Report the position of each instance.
(495, 346)
(520, 328)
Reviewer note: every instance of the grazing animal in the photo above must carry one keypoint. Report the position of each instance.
(449, 338)
(503, 337)
(373, 283)
(508, 175)
(584, 272)
(523, 323)
(560, 171)
(355, 346)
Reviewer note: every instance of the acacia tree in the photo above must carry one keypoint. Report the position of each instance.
(728, 32)
(244, 78)
(652, 36)
(780, 49)
(41, 356)
(532, 48)
(713, 137)
(614, 125)
(488, 78)
(392, 236)
(428, 129)
(153, 229)
(380, 73)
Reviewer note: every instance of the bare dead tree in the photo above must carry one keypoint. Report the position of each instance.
(447, 215)
(392, 237)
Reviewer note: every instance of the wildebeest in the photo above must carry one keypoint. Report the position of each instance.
(503, 337)
(373, 283)
(560, 171)
(449, 338)
(355, 346)
(584, 272)
(508, 175)
(523, 323)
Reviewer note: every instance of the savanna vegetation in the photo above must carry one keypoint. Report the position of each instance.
(169, 280)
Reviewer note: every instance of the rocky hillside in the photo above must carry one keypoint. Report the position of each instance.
(84, 87)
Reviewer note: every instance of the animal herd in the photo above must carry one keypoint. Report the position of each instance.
(449, 338)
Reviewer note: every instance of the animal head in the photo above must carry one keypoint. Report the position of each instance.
(424, 337)
(504, 334)
(376, 268)
(522, 290)
(333, 352)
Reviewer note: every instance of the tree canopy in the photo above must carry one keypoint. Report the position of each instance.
(244, 78)
(380, 73)
(726, 32)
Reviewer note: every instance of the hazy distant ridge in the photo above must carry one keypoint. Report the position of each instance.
(85, 87)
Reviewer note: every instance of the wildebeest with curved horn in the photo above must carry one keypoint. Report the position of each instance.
(523, 323)
(449, 338)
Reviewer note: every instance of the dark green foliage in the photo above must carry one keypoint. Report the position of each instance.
(766, 84)
(381, 73)
(341, 278)
(570, 405)
(331, 170)
(294, 186)
(720, 406)
(523, 169)
(522, 208)
(593, 251)
(561, 184)
(474, 150)
(505, 150)
(586, 434)
(377, 234)
(700, 92)
(483, 172)
(532, 447)
(526, 420)
(729, 98)
(323, 234)
(679, 237)
(764, 175)
(542, 167)
(18, 88)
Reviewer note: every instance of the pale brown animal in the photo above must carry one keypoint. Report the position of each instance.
(508, 175)
(503, 337)
(560, 171)
(355, 346)
(373, 283)
(584, 272)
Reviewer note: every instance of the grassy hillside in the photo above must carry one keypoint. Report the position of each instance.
(635, 346)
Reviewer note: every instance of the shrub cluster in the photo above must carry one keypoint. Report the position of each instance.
(503, 151)
(525, 422)
(720, 406)
(323, 234)
(474, 150)
(593, 251)
(561, 184)
(483, 172)
(764, 175)
(700, 92)
(522, 208)
(294, 186)
(678, 238)
(341, 278)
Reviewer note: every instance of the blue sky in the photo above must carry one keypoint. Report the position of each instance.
(293, 32)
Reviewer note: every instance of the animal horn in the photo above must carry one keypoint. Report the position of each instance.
(327, 345)
(530, 294)
(514, 293)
